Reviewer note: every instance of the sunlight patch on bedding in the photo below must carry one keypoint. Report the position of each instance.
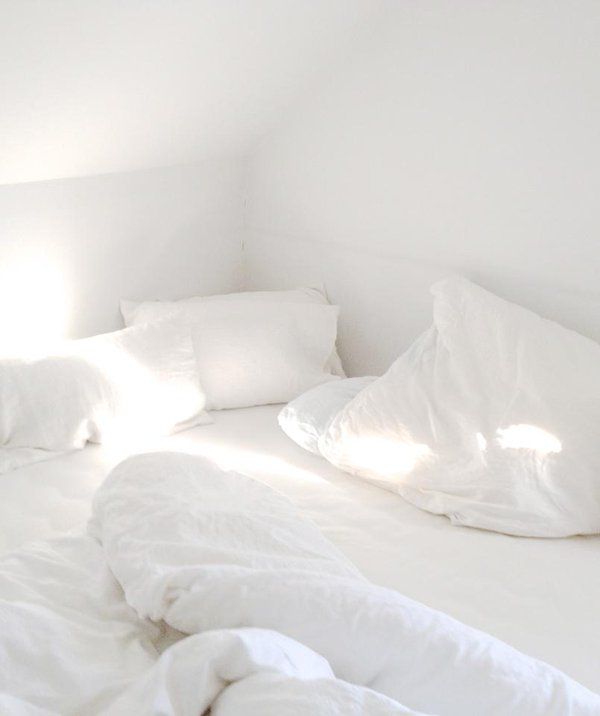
(250, 462)
(528, 437)
(387, 457)
(148, 406)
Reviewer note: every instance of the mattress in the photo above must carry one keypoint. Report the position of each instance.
(540, 596)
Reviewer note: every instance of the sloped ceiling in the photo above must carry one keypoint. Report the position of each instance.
(95, 86)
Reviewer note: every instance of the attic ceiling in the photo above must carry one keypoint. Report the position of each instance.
(97, 86)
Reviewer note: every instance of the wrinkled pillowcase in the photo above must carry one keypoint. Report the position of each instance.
(136, 383)
(490, 418)
(305, 419)
(254, 353)
(136, 311)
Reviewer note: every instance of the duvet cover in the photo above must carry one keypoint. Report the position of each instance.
(200, 591)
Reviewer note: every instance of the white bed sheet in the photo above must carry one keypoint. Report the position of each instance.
(540, 596)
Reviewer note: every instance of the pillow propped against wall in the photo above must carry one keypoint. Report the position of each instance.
(252, 352)
(135, 312)
(133, 384)
(492, 418)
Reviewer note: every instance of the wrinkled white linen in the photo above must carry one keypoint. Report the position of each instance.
(519, 590)
(227, 560)
(139, 382)
(490, 418)
(306, 419)
(69, 643)
(250, 672)
(254, 353)
(228, 552)
(135, 312)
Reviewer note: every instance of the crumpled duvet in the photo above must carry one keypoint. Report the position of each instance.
(199, 591)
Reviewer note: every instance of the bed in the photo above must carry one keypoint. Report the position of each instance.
(538, 595)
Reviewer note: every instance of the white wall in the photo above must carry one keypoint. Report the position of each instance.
(461, 136)
(69, 249)
(95, 86)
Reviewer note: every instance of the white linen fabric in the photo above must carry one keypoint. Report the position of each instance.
(490, 418)
(519, 590)
(138, 382)
(305, 419)
(253, 672)
(224, 535)
(254, 353)
(134, 312)
(277, 617)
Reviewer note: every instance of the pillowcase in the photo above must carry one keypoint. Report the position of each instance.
(307, 418)
(136, 383)
(491, 418)
(254, 353)
(134, 311)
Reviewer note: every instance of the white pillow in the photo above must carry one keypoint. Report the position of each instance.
(492, 418)
(307, 418)
(136, 383)
(254, 353)
(131, 313)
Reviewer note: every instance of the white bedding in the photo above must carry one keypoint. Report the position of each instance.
(202, 582)
(539, 596)
(490, 417)
(137, 381)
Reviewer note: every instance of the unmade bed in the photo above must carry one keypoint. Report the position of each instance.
(538, 595)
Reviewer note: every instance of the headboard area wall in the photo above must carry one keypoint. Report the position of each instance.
(71, 248)
(460, 137)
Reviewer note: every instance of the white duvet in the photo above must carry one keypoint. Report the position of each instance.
(197, 589)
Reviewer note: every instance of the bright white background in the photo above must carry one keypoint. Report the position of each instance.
(70, 248)
(457, 136)
(372, 146)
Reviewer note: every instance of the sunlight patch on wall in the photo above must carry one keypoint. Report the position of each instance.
(34, 305)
